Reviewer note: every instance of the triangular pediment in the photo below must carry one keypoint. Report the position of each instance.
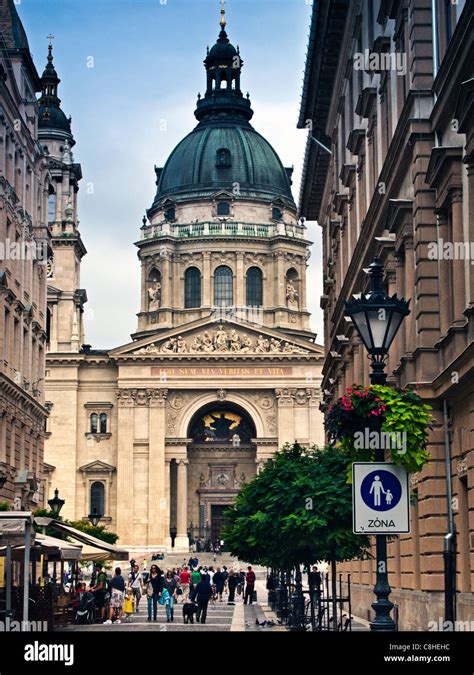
(97, 466)
(210, 338)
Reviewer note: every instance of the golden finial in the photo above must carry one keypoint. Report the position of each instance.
(223, 21)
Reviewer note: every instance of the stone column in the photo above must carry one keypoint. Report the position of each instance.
(167, 515)
(393, 357)
(443, 276)
(206, 279)
(286, 430)
(410, 344)
(125, 466)
(157, 504)
(165, 278)
(240, 285)
(181, 543)
(316, 418)
(280, 280)
(459, 265)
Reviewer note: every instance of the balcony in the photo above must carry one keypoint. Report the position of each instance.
(221, 229)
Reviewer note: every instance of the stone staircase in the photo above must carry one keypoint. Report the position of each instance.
(205, 560)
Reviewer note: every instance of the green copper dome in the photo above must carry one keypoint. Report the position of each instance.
(193, 170)
(224, 152)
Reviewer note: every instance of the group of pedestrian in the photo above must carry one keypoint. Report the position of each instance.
(195, 585)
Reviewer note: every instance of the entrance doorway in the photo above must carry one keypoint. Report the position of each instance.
(218, 522)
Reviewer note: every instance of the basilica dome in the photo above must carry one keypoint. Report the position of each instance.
(224, 151)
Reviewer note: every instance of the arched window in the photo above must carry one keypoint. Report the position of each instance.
(223, 287)
(192, 288)
(254, 287)
(51, 206)
(94, 423)
(98, 498)
(103, 423)
(223, 209)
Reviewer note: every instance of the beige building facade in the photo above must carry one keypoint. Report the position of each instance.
(159, 435)
(395, 107)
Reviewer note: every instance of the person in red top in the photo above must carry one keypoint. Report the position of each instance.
(249, 585)
(185, 580)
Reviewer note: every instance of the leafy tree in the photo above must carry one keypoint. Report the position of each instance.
(297, 510)
(4, 506)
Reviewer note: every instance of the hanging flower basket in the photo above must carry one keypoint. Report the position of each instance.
(367, 418)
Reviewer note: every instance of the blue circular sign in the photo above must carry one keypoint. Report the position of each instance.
(381, 490)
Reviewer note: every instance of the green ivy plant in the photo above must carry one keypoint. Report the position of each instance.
(399, 412)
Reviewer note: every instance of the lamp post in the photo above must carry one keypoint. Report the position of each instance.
(56, 504)
(377, 318)
(94, 517)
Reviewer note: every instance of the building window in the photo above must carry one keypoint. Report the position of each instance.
(51, 207)
(94, 418)
(170, 214)
(223, 287)
(223, 209)
(192, 288)
(223, 157)
(98, 498)
(103, 423)
(276, 213)
(254, 287)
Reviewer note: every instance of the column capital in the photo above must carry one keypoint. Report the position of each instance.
(181, 460)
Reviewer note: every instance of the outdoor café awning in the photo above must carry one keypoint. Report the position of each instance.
(63, 549)
(12, 528)
(115, 552)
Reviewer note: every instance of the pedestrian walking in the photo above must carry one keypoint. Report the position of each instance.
(100, 590)
(232, 582)
(154, 589)
(135, 583)
(219, 582)
(185, 580)
(117, 593)
(171, 586)
(249, 585)
(201, 595)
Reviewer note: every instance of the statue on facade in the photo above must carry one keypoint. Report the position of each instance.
(291, 295)
(154, 296)
(170, 346)
(181, 346)
(207, 344)
(220, 340)
(196, 345)
(235, 343)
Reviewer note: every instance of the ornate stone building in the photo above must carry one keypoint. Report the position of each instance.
(389, 89)
(24, 250)
(159, 434)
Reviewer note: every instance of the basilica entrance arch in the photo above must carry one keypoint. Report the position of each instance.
(222, 457)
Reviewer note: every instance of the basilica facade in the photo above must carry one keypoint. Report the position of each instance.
(158, 435)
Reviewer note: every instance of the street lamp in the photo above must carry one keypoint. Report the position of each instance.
(94, 517)
(377, 318)
(56, 504)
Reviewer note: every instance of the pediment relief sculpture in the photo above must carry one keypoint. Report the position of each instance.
(221, 341)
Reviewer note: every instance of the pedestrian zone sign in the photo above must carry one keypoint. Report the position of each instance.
(380, 499)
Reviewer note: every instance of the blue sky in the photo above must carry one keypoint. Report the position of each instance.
(130, 72)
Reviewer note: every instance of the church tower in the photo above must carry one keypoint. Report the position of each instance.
(65, 298)
(222, 236)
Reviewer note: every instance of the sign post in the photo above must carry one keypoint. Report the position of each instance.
(380, 498)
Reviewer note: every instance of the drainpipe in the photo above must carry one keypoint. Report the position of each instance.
(450, 538)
